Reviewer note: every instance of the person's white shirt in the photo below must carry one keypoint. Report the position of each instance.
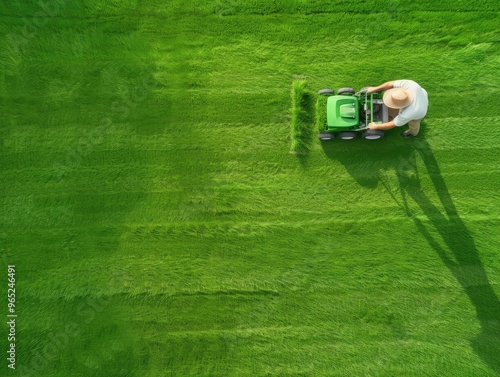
(417, 109)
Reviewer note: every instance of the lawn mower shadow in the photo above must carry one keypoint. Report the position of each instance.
(460, 255)
(366, 160)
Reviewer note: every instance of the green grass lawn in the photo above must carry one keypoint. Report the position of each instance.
(160, 227)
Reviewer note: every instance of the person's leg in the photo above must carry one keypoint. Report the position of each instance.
(413, 127)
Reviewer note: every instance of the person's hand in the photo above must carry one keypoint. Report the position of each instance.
(372, 126)
(371, 89)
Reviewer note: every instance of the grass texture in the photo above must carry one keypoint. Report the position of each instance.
(160, 227)
(320, 122)
(302, 117)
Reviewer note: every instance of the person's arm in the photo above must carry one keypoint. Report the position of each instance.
(385, 86)
(382, 126)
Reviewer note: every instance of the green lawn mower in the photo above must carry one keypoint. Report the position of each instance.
(349, 113)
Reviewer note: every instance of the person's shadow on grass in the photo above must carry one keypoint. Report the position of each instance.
(462, 257)
(463, 261)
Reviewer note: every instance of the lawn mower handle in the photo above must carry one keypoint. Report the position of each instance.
(362, 91)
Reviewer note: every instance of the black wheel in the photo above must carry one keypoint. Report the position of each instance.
(326, 92)
(346, 91)
(326, 135)
(373, 134)
(348, 135)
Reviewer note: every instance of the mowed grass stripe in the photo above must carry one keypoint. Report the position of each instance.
(245, 172)
(240, 262)
(219, 139)
(319, 274)
(234, 205)
(254, 194)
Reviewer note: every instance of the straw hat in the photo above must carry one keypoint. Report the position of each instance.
(397, 98)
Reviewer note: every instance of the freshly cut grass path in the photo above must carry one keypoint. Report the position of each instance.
(160, 227)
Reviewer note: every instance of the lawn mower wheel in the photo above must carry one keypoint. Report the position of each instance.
(348, 135)
(326, 92)
(326, 135)
(373, 134)
(346, 91)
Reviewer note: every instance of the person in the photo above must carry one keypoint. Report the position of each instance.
(407, 102)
